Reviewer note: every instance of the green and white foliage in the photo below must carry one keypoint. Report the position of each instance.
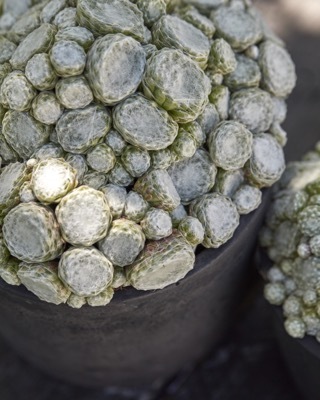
(291, 238)
(131, 132)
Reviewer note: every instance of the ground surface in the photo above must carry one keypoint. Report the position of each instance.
(248, 365)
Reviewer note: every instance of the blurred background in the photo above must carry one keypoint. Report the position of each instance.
(297, 22)
(247, 365)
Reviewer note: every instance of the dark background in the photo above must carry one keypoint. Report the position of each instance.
(248, 364)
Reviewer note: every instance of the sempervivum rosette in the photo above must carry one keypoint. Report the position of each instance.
(132, 132)
(291, 237)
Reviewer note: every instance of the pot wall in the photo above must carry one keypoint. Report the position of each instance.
(140, 338)
(302, 357)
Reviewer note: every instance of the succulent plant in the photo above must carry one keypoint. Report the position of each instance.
(132, 132)
(291, 237)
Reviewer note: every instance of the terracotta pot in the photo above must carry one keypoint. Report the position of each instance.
(141, 337)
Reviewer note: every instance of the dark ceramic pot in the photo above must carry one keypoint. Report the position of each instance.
(302, 357)
(141, 337)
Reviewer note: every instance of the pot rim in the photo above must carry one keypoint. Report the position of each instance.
(203, 259)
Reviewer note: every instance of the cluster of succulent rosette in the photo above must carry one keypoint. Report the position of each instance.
(291, 237)
(132, 132)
